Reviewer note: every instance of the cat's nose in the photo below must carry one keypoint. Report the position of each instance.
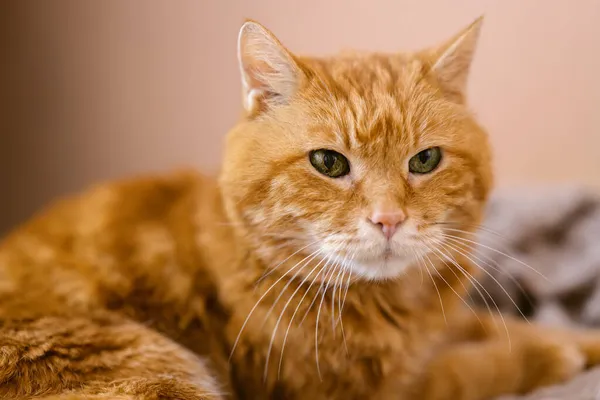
(387, 221)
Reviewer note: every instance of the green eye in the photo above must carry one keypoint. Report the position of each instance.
(425, 161)
(329, 162)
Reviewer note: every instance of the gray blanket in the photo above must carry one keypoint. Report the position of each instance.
(556, 232)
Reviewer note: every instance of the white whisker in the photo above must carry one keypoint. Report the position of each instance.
(305, 261)
(237, 339)
(345, 267)
(498, 252)
(480, 285)
(489, 274)
(348, 282)
(476, 234)
(492, 264)
(436, 289)
(326, 281)
(475, 226)
(283, 312)
(451, 288)
(340, 319)
(271, 270)
(336, 282)
(472, 280)
(467, 275)
(323, 268)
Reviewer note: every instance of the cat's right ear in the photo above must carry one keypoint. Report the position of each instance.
(270, 75)
(451, 62)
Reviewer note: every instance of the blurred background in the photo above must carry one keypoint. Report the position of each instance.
(91, 91)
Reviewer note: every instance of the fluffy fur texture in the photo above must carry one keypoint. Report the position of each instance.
(279, 277)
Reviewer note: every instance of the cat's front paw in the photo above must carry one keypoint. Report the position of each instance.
(549, 363)
(487, 370)
(589, 344)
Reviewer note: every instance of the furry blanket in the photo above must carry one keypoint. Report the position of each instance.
(556, 232)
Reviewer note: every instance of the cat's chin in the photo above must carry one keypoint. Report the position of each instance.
(381, 268)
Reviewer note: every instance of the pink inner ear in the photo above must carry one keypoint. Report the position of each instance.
(258, 93)
(452, 62)
(270, 74)
(256, 74)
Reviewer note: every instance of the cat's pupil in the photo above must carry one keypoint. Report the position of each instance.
(328, 160)
(424, 156)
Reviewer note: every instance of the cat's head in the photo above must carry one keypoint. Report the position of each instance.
(359, 160)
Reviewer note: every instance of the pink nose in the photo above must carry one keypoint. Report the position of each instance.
(388, 222)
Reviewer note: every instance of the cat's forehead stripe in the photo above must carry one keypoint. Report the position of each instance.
(372, 95)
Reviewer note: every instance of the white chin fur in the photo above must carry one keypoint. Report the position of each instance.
(381, 269)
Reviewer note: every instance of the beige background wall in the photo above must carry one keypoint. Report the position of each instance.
(95, 90)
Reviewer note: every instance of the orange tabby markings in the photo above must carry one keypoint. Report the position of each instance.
(125, 290)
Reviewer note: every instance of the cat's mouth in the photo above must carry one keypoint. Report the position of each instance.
(385, 263)
(387, 253)
(377, 258)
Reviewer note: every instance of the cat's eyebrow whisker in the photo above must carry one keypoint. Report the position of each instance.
(237, 339)
(496, 251)
(487, 273)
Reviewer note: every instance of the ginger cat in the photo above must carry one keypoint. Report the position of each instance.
(320, 265)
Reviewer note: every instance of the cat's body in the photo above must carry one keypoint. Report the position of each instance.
(254, 266)
(158, 251)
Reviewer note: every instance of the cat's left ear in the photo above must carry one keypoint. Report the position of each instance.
(270, 74)
(451, 62)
